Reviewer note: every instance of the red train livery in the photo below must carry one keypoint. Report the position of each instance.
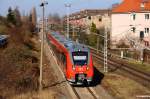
(76, 58)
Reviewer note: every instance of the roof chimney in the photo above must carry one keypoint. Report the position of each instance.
(142, 5)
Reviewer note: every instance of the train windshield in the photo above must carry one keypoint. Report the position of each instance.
(80, 58)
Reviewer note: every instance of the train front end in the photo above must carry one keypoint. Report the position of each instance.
(81, 67)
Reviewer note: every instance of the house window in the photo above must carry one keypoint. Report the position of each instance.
(146, 30)
(147, 16)
(89, 17)
(134, 16)
(133, 29)
(100, 19)
(141, 35)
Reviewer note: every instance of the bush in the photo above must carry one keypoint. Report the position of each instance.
(18, 61)
(3, 29)
(92, 40)
(19, 68)
(26, 36)
(122, 44)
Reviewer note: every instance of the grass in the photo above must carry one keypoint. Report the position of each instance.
(123, 87)
(144, 67)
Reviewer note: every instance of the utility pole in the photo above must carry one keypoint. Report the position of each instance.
(42, 43)
(105, 50)
(142, 54)
(68, 8)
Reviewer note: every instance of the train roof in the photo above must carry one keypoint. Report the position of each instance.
(68, 43)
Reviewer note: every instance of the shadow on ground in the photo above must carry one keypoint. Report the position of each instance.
(98, 77)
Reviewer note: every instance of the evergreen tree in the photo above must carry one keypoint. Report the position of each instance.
(93, 28)
(92, 38)
(11, 16)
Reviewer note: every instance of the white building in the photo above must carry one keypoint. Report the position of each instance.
(99, 20)
(100, 17)
(131, 20)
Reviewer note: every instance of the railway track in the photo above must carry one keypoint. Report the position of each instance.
(140, 76)
(84, 92)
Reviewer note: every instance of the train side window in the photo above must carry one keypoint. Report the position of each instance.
(3, 41)
(61, 57)
(64, 60)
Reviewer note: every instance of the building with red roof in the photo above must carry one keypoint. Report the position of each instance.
(132, 6)
(130, 20)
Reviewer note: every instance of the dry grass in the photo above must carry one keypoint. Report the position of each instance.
(123, 87)
(18, 71)
(46, 94)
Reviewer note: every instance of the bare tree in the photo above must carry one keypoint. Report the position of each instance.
(17, 16)
(34, 16)
(56, 18)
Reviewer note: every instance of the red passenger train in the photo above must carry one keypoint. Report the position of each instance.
(76, 58)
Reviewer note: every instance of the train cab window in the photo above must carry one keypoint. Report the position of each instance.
(80, 58)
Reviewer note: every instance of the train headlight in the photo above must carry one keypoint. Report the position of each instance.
(87, 68)
(73, 67)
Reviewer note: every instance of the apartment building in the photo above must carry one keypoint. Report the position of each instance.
(131, 20)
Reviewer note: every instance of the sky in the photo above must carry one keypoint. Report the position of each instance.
(54, 6)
